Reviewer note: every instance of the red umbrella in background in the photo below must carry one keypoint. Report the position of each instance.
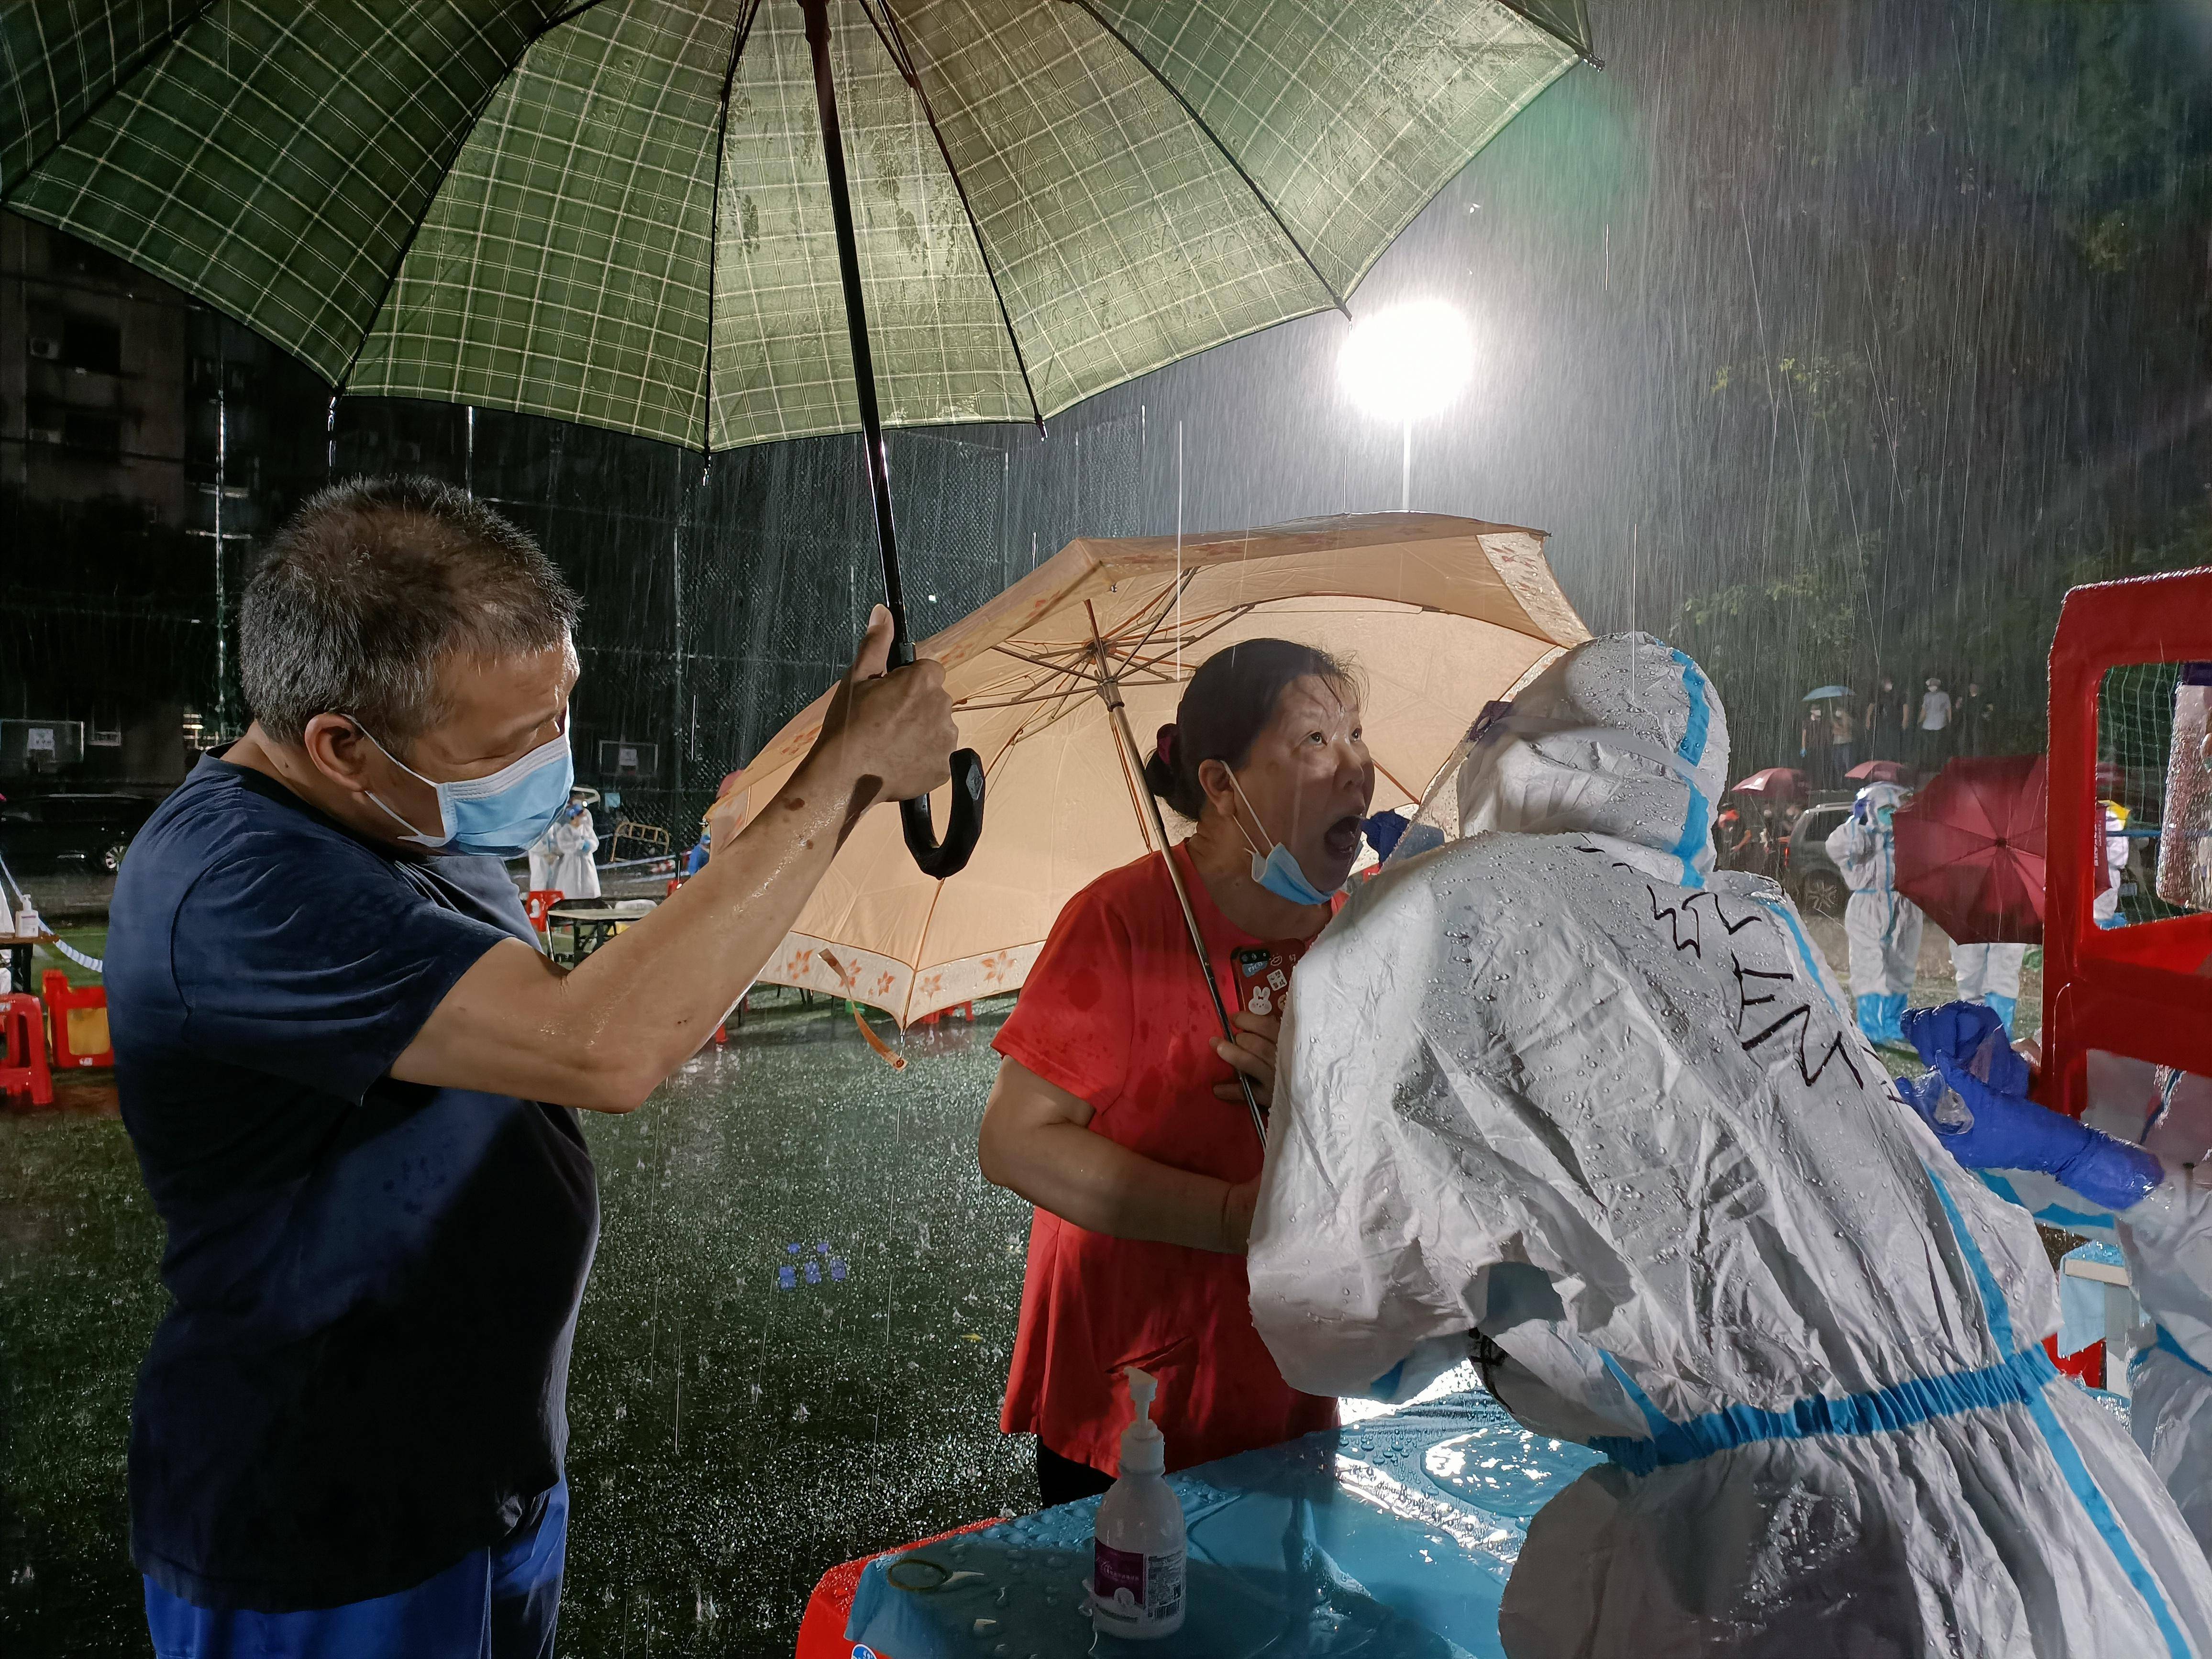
(1881, 771)
(1775, 781)
(1970, 849)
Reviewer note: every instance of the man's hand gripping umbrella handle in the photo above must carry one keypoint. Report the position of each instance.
(942, 859)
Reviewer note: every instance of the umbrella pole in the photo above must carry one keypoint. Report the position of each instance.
(1109, 689)
(966, 823)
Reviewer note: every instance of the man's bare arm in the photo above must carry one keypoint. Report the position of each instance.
(604, 1035)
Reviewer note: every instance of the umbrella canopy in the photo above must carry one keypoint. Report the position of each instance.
(619, 212)
(1775, 780)
(1438, 615)
(1881, 771)
(1970, 849)
(1827, 691)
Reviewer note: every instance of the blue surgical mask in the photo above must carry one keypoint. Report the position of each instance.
(1277, 871)
(503, 814)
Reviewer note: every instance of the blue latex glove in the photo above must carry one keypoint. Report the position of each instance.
(1383, 831)
(1971, 1038)
(1859, 810)
(1986, 1130)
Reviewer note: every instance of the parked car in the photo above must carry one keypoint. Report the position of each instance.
(70, 832)
(1808, 874)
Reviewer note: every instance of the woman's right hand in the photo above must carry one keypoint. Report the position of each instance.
(1254, 1055)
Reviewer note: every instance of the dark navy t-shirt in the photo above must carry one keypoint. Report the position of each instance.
(363, 1373)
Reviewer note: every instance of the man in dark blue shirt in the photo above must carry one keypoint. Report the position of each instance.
(350, 1078)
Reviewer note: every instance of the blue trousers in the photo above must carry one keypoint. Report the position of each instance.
(498, 1603)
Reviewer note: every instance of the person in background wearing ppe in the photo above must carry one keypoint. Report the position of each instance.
(1883, 926)
(701, 850)
(1116, 1111)
(1989, 975)
(2128, 1164)
(2105, 911)
(351, 1077)
(561, 858)
(1563, 1085)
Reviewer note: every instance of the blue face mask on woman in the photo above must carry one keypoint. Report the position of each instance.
(1276, 871)
(503, 814)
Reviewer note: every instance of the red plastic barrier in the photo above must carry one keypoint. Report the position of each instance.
(23, 1060)
(62, 999)
(2142, 991)
(2086, 1366)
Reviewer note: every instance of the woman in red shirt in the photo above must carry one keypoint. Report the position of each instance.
(1117, 1112)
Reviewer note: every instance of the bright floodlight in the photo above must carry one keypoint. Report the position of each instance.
(1408, 362)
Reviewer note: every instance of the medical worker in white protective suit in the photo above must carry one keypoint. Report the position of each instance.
(1563, 1085)
(561, 860)
(1883, 926)
(1990, 974)
(2127, 1169)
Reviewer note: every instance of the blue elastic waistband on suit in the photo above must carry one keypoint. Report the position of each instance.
(2017, 1380)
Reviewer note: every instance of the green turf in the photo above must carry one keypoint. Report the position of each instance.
(729, 1439)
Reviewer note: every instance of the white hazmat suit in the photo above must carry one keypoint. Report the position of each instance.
(560, 861)
(1883, 926)
(2165, 1234)
(1990, 974)
(1564, 1084)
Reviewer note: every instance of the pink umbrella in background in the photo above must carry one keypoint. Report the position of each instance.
(1776, 782)
(1881, 771)
(1970, 849)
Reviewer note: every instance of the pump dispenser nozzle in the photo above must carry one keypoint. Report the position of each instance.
(1143, 1449)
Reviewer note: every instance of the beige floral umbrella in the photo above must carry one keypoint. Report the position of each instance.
(1438, 615)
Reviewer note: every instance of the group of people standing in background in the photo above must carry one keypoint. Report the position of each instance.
(1921, 730)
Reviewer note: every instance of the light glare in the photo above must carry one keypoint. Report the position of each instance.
(1406, 362)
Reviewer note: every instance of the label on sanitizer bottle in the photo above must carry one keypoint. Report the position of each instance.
(1136, 1591)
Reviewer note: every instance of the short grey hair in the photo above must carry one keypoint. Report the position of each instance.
(371, 583)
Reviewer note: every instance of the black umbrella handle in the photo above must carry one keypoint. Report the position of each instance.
(937, 858)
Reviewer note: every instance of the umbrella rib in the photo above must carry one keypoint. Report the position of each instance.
(145, 57)
(1167, 604)
(414, 230)
(739, 33)
(1049, 665)
(1521, 10)
(1197, 120)
(894, 44)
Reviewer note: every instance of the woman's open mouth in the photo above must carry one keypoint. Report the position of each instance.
(1342, 837)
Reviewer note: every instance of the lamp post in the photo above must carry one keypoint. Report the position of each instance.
(1405, 363)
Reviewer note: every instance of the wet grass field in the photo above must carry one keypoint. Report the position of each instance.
(730, 1438)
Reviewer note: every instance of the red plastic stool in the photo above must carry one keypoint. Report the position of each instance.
(23, 1067)
(77, 1016)
(537, 904)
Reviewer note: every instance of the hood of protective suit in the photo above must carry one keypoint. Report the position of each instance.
(1879, 795)
(1623, 740)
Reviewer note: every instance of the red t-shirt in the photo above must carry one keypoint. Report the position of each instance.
(1115, 1013)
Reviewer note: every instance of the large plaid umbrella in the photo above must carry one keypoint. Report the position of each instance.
(718, 223)
(619, 212)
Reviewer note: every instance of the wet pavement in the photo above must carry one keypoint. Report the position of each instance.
(730, 1439)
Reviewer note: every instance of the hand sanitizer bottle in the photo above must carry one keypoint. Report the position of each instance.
(1137, 1571)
